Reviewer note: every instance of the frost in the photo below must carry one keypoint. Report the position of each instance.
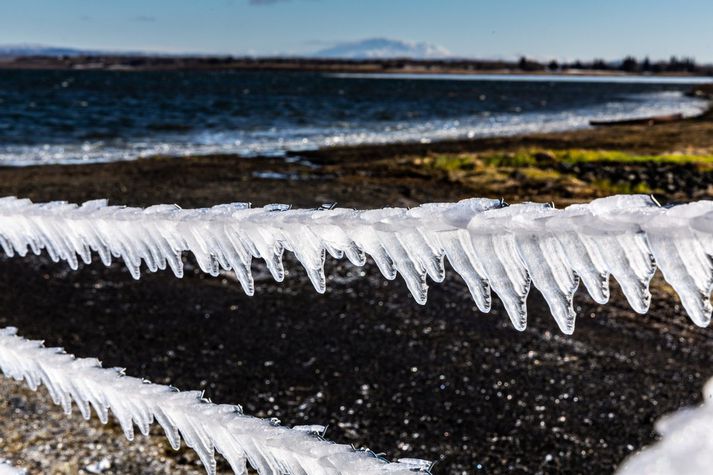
(205, 427)
(489, 244)
(686, 445)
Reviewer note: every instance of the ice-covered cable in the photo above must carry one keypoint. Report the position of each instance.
(205, 427)
(686, 445)
(489, 244)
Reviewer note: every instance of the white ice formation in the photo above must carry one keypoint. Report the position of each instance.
(686, 446)
(6, 468)
(205, 427)
(489, 244)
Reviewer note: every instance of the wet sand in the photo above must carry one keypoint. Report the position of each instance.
(440, 381)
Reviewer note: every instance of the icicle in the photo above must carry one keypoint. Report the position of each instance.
(205, 427)
(492, 246)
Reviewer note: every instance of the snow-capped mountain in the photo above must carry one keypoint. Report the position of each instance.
(377, 48)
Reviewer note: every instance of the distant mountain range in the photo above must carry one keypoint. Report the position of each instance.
(372, 48)
(29, 50)
(41, 50)
(383, 48)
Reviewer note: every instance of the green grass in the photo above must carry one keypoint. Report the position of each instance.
(621, 188)
(543, 158)
(540, 174)
(521, 158)
(451, 163)
(594, 156)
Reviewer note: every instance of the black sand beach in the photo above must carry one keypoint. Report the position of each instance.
(440, 381)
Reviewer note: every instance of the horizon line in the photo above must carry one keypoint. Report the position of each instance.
(314, 55)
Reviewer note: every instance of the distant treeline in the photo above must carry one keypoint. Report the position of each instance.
(629, 64)
(674, 65)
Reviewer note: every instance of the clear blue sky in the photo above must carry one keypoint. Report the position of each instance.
(565, 29)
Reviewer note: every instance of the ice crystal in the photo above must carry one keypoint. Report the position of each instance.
(489, 244)
(205, 427)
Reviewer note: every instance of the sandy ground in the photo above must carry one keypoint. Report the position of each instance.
(440, 381)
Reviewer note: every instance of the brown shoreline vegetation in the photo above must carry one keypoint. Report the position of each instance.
(441, 381)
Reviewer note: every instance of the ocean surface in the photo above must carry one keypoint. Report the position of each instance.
(98, 116)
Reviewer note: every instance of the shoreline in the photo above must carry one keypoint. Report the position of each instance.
(335, 173)
(584, 136)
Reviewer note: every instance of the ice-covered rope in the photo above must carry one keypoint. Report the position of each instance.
(205, 427)
(489, 244)
(686, 446)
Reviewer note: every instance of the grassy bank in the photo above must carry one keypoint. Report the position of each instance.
(578, 172)
(543, 158)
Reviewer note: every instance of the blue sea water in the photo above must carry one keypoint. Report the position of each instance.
(97, 116)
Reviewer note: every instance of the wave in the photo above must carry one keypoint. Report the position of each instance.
(278, 141)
